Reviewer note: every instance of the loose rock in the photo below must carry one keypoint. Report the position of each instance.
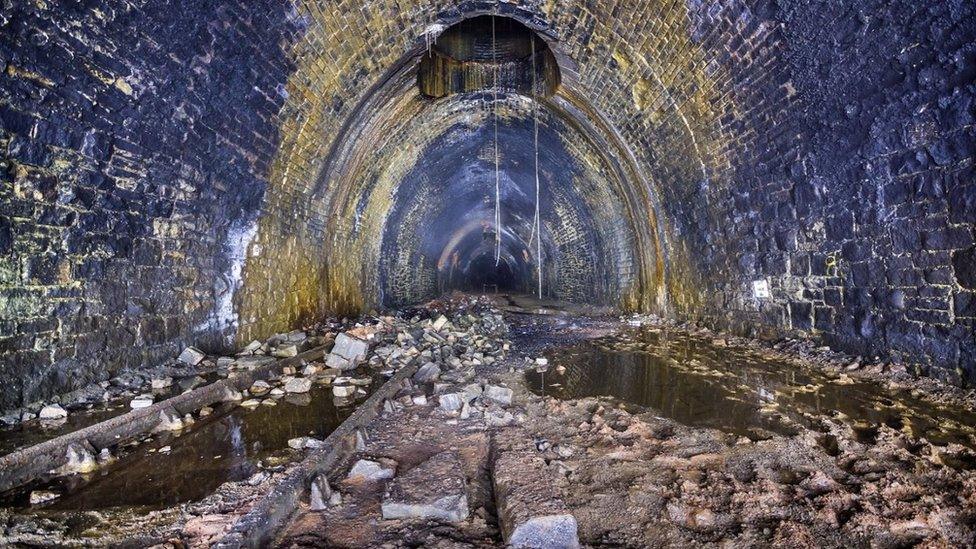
(52, 412)
(191, 356)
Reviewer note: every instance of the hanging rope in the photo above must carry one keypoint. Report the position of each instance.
(537, 226)
(494, 109)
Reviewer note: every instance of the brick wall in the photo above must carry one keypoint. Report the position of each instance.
(187, 172)
(136, 137)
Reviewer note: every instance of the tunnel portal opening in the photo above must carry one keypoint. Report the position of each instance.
(487, 52)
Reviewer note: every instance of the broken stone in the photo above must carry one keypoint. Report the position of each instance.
(161, 383)
(344, 391)
(434, 489)
(52, 412)
(440, 322)
(81, 459)
(339, 363)
(259, 387)
(191, 356)
(499, 419)
(314, 443)
(419, 400)
(286, 351)
(347, 352)
(471, 392)
(231, 394)
(322, 496)
(105, 457)
(141, 401)
(310, 370)
(169, 420)
(206, 411)
(450, 402)
(530, 511)
(546, 532)
(298, 385)
(251, 403)
(369, 471)
(224, 362)
(427, 373)
(697, 519)
(501, 395)
(253, 362)
(251, 348)
(257, 478)
(38, 497)
(189, 383)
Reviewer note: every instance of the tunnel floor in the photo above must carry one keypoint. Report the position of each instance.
(616, 431)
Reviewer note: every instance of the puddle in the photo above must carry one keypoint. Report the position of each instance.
(225, 446)
(35, 431)
(738, 391)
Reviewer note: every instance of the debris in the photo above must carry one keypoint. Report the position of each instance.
(321, 495)
(250, 349)
(501, 395)
(191, 356)
(435, 489)
(450, 402)
(252, 362)
(298, 385)
(286, 351)
(347, 352)
(257, 478)
(169, 420)
(141, 401)
(343, 391)
(52, 412)
(161, 383)
(81, 459)
(38, 497)
(439, 323)
(259, 388)
(427, 373)
(530, 511)
(369, 471)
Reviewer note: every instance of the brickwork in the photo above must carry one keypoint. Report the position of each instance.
(136, 137)
(193, 172)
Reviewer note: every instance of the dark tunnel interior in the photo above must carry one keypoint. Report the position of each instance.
(618, 273)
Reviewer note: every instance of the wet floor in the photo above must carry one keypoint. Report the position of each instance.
(739, 391)
(225, 446)
(36, 431)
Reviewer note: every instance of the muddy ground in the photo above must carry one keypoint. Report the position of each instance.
(626, 475)
(634, 479)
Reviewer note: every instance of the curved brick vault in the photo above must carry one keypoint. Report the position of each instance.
(209, 172)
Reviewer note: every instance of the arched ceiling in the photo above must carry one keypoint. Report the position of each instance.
(361, 156)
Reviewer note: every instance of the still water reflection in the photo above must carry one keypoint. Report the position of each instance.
(739, 391)
(225, 446)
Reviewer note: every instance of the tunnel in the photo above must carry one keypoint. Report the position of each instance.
(210, 178)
